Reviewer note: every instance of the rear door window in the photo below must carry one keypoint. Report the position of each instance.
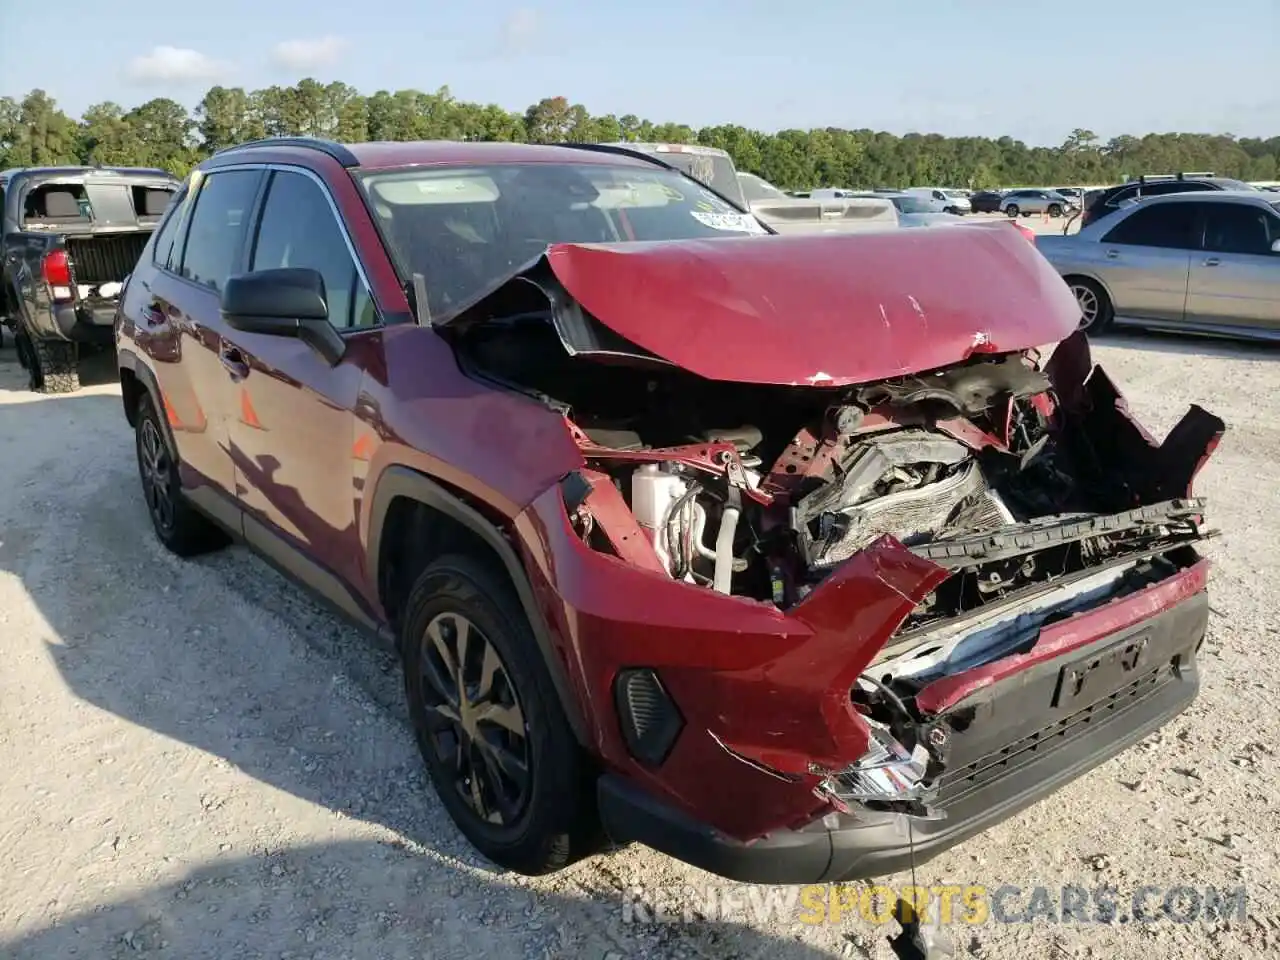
(1167, 225)
(1239, 228)
(215, 243)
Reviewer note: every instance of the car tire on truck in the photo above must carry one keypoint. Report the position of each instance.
(52, 365)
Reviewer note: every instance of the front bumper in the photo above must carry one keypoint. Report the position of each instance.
(1014, 742)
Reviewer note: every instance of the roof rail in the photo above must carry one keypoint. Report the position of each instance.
(621, 151)
(1181, 175)
(329, 147)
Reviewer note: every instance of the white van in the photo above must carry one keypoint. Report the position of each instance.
(943, 200)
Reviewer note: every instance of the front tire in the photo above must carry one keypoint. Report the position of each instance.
(1096, 309)
(489, 724)
(178, 525)
(1011, 211)
(1055, 210)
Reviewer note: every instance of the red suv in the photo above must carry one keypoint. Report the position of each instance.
(742, 546)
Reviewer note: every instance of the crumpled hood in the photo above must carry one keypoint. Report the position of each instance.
(822, 310)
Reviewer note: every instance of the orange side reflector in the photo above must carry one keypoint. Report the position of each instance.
(362, 449)
(170, 414)
(247, 414)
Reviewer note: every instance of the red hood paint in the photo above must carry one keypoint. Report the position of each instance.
(823, 310)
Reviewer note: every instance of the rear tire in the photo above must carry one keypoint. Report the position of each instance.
(182, 529)
(501, 753)
(1096, 309)
(53, 365)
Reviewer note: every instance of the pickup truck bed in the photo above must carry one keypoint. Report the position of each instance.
(71, 237)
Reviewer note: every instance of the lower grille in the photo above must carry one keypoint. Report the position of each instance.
(956, 782)
(106, 259)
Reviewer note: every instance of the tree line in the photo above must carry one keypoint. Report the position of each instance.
(163, 133)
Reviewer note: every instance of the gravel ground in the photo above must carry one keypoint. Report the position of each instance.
(197, 762)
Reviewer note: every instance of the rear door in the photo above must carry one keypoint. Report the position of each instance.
(1144, 260)
(1235, 280)
(176, 310)
(293, 429)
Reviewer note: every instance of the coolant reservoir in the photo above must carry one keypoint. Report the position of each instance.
(653, 493)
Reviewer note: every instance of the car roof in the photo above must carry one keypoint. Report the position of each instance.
(409, 153)
(1198, 196)
(391, 154)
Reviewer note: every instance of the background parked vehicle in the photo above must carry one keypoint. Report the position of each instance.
(1103, 203)
(943, 200)
(915, 210)
(986, 201)
(1202, 262)
(1025, 203)
(71, 236)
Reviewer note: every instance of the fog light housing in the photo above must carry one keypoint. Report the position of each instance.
(648, 716)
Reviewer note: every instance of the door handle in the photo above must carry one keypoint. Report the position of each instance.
(1113, 254)
(234, 361)
(1212, 262)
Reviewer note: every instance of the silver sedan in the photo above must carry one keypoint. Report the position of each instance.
(1205, 262)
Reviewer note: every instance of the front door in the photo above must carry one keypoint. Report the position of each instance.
(293, 427)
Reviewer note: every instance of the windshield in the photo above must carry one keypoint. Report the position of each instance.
(911, 205)
(956, 194)
(467, 228)
(754, 188)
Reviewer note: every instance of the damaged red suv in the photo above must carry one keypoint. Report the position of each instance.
(742, 546)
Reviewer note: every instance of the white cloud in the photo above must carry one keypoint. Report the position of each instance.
(175, 65)
(307, 54)
(520, 30)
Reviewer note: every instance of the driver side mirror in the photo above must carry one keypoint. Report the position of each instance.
(1275, 246)
(283, 302)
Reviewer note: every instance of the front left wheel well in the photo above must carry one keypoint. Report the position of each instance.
(414, 534)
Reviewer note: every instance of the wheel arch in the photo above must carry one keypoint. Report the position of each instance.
(413, 516)
(136, 379)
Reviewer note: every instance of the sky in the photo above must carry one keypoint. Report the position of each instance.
(1033, 71)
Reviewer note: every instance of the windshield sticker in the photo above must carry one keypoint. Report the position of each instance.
(737, 222)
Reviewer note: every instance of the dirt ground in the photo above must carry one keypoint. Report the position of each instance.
(196, 762)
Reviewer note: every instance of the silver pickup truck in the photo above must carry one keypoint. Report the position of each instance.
(783, 214)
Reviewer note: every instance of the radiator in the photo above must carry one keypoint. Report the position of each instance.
(105, 259)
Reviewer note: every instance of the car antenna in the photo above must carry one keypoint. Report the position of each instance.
(420, 305)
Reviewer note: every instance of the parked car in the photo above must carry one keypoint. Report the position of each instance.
(1103, 203)
(709, 165)
(986, 201)
(943, 200)
(1074, 194)
(1028, 202)
(1199, 262)
(70, 236)
(684, 539)
(915, 210)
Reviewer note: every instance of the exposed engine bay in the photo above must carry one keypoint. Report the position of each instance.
(1037, 505)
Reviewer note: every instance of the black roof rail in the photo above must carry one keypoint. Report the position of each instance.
(1181, 175)
(621, 151)
(329, 147)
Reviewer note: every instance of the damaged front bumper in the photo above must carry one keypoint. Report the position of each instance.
(1014, 741)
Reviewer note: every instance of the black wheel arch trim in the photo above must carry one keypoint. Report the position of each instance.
(400, 481)
(128, 360)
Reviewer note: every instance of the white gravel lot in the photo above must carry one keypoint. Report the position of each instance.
(195, 762)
